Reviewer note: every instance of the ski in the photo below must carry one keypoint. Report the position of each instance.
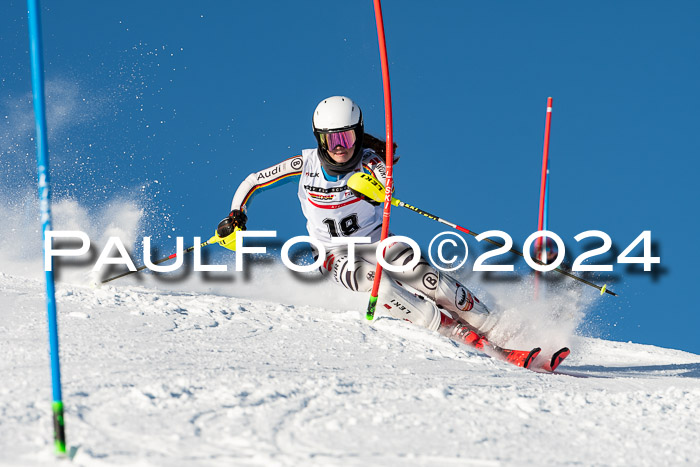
(556, 359)
(521, 358)
(464, 333)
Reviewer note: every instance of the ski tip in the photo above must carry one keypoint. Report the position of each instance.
(557, 358)
(531, 357)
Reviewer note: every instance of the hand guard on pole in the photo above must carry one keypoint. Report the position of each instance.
(227, 228)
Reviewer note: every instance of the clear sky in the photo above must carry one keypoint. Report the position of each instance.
(174, 103)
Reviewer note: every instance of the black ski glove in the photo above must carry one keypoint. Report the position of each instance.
(236, 218)
(363, 197)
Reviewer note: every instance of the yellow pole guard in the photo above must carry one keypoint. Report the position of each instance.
(228, 242)
(369, 186)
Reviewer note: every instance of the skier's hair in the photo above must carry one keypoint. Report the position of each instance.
(377, 145)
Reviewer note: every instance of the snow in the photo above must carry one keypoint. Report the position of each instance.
(174, 375)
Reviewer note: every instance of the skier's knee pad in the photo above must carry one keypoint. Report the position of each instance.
(455, 297)
(403, 304)
(399, 254)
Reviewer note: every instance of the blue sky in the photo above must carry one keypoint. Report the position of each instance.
(175, 103)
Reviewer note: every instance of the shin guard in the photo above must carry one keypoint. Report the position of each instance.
(401, 303)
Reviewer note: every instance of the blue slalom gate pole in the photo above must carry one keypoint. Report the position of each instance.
(42, 151)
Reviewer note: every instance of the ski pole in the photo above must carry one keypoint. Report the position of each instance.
(372, 188)
(212, 240)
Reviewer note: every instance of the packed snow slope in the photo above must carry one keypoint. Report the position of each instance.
(174, 378)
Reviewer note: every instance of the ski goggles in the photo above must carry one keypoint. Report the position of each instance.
(345, 139)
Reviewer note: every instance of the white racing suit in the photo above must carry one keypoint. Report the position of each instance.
(422, 295)
(333, 210)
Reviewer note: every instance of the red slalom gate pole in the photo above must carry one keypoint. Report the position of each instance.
(372, 306)
(545, 161)
(543, 189)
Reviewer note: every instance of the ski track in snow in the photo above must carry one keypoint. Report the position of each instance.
(164, 378)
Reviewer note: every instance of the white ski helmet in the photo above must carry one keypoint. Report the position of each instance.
(337, 120)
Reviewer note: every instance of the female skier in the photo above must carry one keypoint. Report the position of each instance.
(424, 295)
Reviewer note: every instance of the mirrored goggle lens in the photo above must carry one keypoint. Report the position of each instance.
(345, 139)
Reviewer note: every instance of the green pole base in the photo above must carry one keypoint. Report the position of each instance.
(59, 431)
(371, 307)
